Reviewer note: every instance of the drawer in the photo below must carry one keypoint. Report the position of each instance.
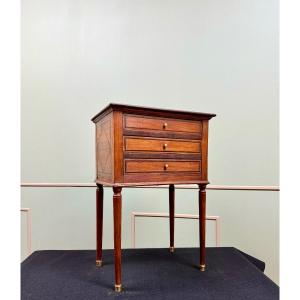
(163, 145)
(159, 166)
(162, 124)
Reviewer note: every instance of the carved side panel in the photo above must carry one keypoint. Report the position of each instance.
(105, 149)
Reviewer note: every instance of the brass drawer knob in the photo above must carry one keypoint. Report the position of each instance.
(165, 125)
(165, 146)
(166, 166)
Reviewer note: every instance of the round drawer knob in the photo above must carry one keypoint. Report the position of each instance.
(165, 146)
(165, 125)
(166, 166)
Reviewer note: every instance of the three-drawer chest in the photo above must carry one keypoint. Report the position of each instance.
(140, 146)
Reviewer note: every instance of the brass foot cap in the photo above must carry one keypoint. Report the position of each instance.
(118, 288)
(172, 249)
(202, 268)
(99, 263)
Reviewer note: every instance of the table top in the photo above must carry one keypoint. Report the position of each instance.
(126, 107)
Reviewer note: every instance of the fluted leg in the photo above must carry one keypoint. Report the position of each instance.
(117, 203)
(202, 218)
(99, 224)
(171, 215)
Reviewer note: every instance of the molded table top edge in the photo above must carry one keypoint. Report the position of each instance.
(141, 184)
(125, 107)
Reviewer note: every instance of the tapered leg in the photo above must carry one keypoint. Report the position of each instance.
(171, 215)
(202, 218)
(99, 224)
(117, 202)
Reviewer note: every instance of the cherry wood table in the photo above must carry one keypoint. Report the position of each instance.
(140, 146)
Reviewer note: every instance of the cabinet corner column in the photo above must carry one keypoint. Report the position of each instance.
(99, 224)
(202, 219)
(117, 204)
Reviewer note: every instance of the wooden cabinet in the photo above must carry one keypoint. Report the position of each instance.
(149, 146)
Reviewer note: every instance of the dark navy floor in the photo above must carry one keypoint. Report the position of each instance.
(146, 274)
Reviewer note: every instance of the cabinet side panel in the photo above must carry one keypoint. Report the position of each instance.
(118, 149)
(204, 146)
(104, 149)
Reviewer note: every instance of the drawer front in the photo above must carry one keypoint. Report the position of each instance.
(162, 124)
(140, 144)
(159, 166)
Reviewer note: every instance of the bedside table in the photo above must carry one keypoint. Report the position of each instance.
(140, 146)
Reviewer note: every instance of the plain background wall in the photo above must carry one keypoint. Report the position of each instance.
(206, 55)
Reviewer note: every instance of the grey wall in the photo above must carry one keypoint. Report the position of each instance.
(205, 55)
